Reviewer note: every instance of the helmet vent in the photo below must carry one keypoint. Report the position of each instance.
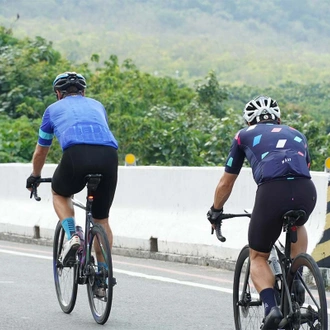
(261, 108)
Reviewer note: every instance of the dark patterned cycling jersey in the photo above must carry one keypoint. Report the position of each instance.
(273, 151)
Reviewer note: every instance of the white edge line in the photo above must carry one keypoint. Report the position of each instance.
(137, 274)
(171, 280)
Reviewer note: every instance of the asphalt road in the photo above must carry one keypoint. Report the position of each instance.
(150, 294)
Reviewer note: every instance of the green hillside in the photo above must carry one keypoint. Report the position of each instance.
(245, 42)
(162, 120)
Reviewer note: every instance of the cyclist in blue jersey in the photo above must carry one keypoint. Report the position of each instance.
(280, 162)
(80, 124)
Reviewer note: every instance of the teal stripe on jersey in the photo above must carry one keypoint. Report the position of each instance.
(45, 136)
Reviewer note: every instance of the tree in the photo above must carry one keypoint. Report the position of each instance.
(161, 120)
(210, 95)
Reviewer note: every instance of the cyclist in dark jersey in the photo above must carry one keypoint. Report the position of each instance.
(81, 127)
(280, 162)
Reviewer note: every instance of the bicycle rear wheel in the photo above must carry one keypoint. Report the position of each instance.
(64, 277)
(248, 309)
(308, 294)
(100, 280)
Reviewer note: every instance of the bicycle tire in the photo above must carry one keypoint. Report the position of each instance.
(100, 307)
(64, 277)
(312, 305)
(248, 308)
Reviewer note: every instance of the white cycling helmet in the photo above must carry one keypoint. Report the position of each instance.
(261, 108)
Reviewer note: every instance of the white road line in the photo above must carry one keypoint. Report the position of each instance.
(171, 280)
(135, 274)
(31, 255)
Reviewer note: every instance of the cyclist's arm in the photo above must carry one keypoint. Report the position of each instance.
(45, 138)
(233, 167)
(223, 189)
(38, 160)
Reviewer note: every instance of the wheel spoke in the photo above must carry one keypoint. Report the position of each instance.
(308, 293)
(64, 277)
(248, 309)
(99, 286)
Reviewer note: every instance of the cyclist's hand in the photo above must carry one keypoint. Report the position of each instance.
(214, 215)
(31, 180)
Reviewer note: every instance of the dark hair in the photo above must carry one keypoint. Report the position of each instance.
(72, 90)
(264, 119)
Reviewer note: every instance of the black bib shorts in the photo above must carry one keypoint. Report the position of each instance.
(78, 161)
(272, 200)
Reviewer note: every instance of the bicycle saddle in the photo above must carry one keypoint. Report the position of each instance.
(92, 181)
(292, 216)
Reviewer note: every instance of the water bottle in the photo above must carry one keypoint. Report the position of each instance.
(80, 233)
(273, 262)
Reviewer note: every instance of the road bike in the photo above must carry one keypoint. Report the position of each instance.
(84, 268)
(299, 286)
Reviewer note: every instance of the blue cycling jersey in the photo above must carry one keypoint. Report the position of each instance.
(76, 119)
(273, 151)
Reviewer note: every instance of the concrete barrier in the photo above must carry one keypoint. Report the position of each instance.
(165, 206)
(321, 252)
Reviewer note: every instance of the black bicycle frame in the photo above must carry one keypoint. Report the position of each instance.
(92, 181)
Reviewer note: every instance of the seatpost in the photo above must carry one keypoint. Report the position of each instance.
(287, 241)
(93, 181)
(90, 199)
(291, 236)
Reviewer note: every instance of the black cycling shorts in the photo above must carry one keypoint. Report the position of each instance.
(78, 161)
(273, 199)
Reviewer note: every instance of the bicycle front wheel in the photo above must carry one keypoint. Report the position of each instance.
(308, 294)
(100, 279)
(64, 277)
(248, 309)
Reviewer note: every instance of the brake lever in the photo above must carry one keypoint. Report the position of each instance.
(34, 193)
(218, 231)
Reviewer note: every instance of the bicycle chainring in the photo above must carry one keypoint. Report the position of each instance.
(91, 274)
(296, 319)
(244, 304)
